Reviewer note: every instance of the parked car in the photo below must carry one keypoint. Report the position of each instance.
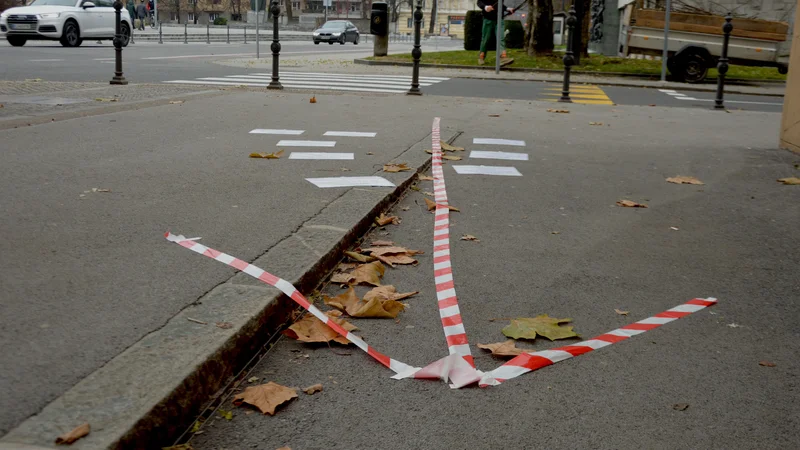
(340, 31)
(67, 21)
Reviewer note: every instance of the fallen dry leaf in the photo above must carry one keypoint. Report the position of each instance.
(382, 243)
(265, 397)
(310, 329)
(790, 180)
(379, 251)
(621, 312)
(494, 115)
(224, 325)
(313, 99)
(176, 102)
(384, 220)
(395, 167)
(597, 124)
(680, 179)
(469, 237)
(312, 389)
(285, 448)
(507, 348)
(680, 406)
(253, 379)
(101, 99)
(355, 256)
(432, 205)
(387, 292)
(558, 111)
(631, 204)
(767, 364)
(450, 148)
(101, 190)
(429, 194)
(541, 325)
(186, 446)
(451, 157)
(424, 178)
(272, 155)
(370, 273)
(72, 436)
(374, 308)
(227, 415)
(344, 267)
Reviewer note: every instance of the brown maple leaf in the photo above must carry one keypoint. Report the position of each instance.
(680, 179)
(312, 389)
(273, 155)
(396, 167)
(450, 148)
(630, 204)
(310, 329)
(790, 180)
(387, 292)
(374, 308)
(507, 348)
(424, 178)
(541, 325)
(380, 243)
(384, 220)
(469, 237)
(71, 436)
(265, 397)
(432, 205)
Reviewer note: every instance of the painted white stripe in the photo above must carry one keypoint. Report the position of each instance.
(197, 56)
(253, 271)
(656, 320)
(593, 344)
(488, 141)
(272, 131)
(687, 308)
(449, 311)
(443, 278)
(103, 59)
(626, 333)
(487, 170)
(462, 350)
(285, 287)
(225, 258)
(441, 265)
(294, 143)
(668, 91)
(289, 86)
(477, 154)
(350, 74)
(553, 355)
(454, 329)
(45, 60)
(447, 293)
(349, 182)
(350, 133)
(320, 156)
(315, 82)
(730, 101)
(328, 80)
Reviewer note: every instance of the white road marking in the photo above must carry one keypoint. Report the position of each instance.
(45, 60)
(271, 131)
(293, 143)
(349, 182)
(350, 134)
(290, 86)
(321, 156)
(498, 155)
(487, 141)
(487, 170)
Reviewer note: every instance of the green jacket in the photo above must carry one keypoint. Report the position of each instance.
(131, 7)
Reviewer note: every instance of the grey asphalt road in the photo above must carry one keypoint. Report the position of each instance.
(553, 242)
(87, 274)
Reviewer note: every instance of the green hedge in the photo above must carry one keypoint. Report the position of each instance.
(220, 21)
(515, 38)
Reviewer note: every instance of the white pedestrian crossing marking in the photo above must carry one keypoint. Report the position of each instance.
(350, 134)
(270, 131)
(350, 182)
(477, 154)
(391, 84)
(320, 155)
(488, 141)
(294, 143)
(508, 171)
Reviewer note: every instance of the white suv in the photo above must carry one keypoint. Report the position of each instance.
(67, 21)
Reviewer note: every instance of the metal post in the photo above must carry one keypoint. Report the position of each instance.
(416, 52)
(185, 34)
(722, 65)
(664, 55)
(160, 36)
(569, 59)
(208, 35)
(118, 76)
(132, 41)
(258, 49)
(245, 32)
(276, 46)
(499, 36)
(229, 34)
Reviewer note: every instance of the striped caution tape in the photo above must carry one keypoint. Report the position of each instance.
(398, 367)
(528, 362)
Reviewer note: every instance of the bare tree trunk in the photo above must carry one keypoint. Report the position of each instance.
(194, 11)
(586, 25)
(288, 10)
(542, 36)
(434, 7)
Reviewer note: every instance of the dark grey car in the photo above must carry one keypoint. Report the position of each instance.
(340, 31)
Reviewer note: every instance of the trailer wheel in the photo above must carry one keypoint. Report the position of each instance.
(783, 70)
(691, 68)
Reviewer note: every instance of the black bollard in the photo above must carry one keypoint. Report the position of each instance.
(228, 30)
(416, 53)
(118, 77)
(276, 46)
(569, 58)
(245, 34)
(208, 35)
(722, 65)
(185, 33)
(160, 39)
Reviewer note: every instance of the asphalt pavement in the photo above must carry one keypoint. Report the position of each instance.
(552, 241)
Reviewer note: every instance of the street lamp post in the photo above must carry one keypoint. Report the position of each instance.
(275, 47)
(569, 59)
(416, 53)
(118, 79)
(722, 65)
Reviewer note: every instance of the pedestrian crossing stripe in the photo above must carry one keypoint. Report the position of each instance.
(584, 94)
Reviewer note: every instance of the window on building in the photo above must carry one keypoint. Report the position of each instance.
(190, 17)
(295, 5)
(213, 16)
(409, 23)
(173, 16)
(216, 2)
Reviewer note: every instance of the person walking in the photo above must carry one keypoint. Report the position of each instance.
(141, 13)
(488, 31)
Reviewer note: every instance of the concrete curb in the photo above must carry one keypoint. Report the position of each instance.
(149, 394)
(687, 87)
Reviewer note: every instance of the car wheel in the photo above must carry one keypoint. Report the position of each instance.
(125, 31)
(692, 68)
(356, 41)
(71, 36)
(783, 70)
(343, 40)
(330, 42)
(16, 41)
(316, 42)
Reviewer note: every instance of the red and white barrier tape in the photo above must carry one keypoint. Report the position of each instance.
(398, 367)
(536, 360)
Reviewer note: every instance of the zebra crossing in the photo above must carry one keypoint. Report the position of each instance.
(508, 171)
(389, 84)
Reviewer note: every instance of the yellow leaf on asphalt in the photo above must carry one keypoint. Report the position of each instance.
(387, 292)
(355, 256)
(312, 330)
(424, 178)
(384, 220)
(272, 155)
(469, 237)
(313, 99)
(507, 348)
(631, 204)
(451, 158)
(790, 180)
(395, 167)
(312, 389)
(227, 415)
(432, 205)
(265, 397)
(451, 148)
(541, 325)
(620, 312)
(72, 436)
(680, 179)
